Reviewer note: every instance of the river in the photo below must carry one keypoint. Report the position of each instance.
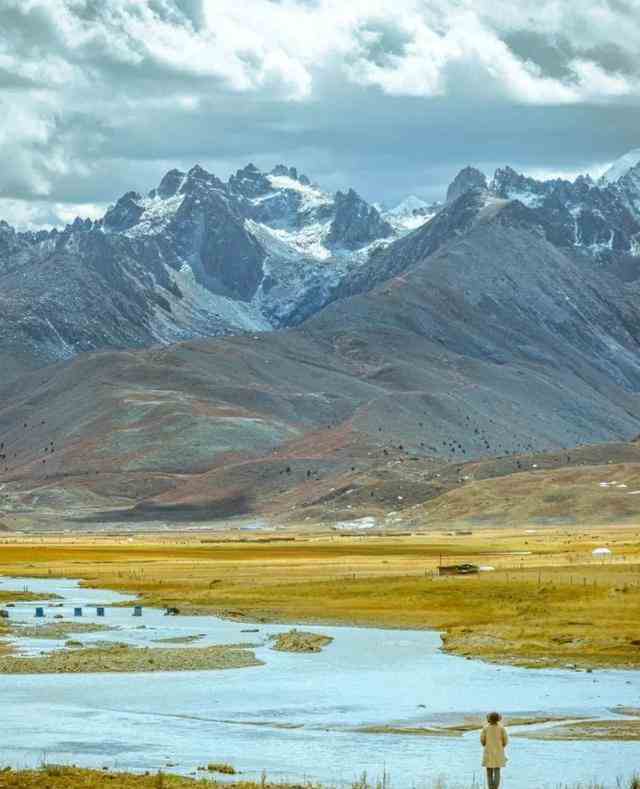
(294, 716)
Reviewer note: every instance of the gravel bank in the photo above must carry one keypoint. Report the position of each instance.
(57, 629)
(300, 641)
(122, 658)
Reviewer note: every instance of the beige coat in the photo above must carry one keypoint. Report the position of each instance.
(494, 738)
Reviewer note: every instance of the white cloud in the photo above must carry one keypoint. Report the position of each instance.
(86, 81)
(38, 214)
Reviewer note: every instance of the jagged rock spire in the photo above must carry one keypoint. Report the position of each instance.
(468, 178)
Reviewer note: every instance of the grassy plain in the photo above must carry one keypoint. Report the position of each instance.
(547, 602)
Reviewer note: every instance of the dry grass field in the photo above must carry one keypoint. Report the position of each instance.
(547, 601)
(593, 494)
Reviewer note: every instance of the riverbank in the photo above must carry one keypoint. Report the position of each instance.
(541, 605)
(619, 730)
(63, 777)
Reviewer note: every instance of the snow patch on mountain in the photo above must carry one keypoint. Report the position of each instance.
(621, 167)
(158, 212)
(311, 196)
(409, 205)
(410, 213)
(199, 312)
(530, 199)
(292, 243)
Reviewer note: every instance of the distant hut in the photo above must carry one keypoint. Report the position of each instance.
(458, 569)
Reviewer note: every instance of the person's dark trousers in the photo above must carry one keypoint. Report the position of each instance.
(493, 777)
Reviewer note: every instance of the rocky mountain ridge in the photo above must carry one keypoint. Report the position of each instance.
(194, 257)
(201, 257)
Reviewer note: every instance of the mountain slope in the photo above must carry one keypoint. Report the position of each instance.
(491, 340)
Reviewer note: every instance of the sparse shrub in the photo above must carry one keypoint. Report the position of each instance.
(384, 782)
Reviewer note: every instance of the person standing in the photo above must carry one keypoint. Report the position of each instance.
(494, 739)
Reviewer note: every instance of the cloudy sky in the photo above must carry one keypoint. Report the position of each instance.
(389, 96)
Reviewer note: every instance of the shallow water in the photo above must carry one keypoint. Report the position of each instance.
(366, 676)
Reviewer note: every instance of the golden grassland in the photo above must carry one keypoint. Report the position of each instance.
(573, 494)
(548, 602)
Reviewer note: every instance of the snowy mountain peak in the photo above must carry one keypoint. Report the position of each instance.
(408, 206)
(410, 213)
(355, 222)
(249, 182)
(125, 213)
(169, 185)
(198, 177)
(621, 167)
(198, 256)
(281, 170)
